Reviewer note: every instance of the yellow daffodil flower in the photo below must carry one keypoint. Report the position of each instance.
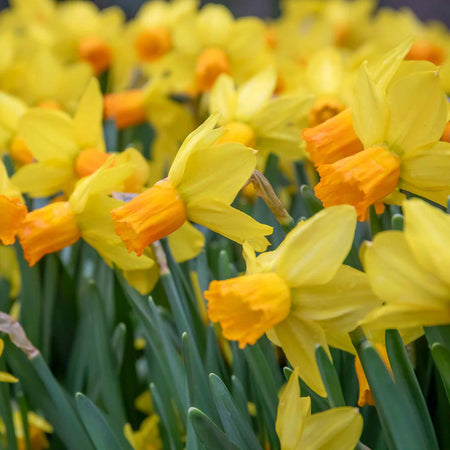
(13, 210)
(147, 437)
(399, 128)
(66, 149)
(334, 429)
(408, 270)
(87, 215)
(202, 182)
(254, 118)
(301, 293)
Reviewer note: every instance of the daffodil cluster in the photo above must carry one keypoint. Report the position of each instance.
(192, 202)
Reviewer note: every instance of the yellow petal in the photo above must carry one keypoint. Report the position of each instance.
(45, 178)
(370, 111)
(335, 429)
(406, 315)
(397, 278)
(298, 339)
(49, 134)
(202, 137)
(325, 70)
(143, 280)
(340, 340)
(427, 232)
(290, 414)
(428, 169)
(186, 242)
(217, 172)
(8, 378)
(11, 109)
(2, 346)
(88, 120)
(312, 253)
(230, 222)
(416, 120)
(223, 99)
(214, 24)
(339, 304)
(437, 196)
(253, 94)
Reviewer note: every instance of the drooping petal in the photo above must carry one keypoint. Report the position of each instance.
(253, 94)
(312, 253)
(298, 339)
(229, 222)
(223, 99)
(88, 119)
(339, 304)
(49, 134)
(46, 178)
(334, 429)
(370, 110)
(397, 278)
(217, 172)
(416, 120)
(290, 414)
(186, 242)
(427, 232)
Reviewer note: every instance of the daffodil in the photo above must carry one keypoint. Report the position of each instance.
(87, 215)
(212, 42)
(334, 429)
(301, 293)
(408, 270)
(399, 128)
(13, 210)
(66, 149)
(202, 182)
(255, 118)
(147, 437)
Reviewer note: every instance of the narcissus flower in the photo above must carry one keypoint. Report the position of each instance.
(66, 149)
(13, 210)
(408, 270)
(85, 215)
(399, 128)
(334, 429)
(253, 117)
(203, 181)
(301, 293)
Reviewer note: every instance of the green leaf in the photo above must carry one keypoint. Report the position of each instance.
(313, 204)
(406, 379)
(6, 412)
(330, 378)
(375, 225)
(399, 422)
(97, 426)
(234, 423)
(208, 432)
(441, 357)
(50, 291)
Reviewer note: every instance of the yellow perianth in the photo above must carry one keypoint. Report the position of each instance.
(238, 132)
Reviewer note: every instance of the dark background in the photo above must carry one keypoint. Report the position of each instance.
(425, 9)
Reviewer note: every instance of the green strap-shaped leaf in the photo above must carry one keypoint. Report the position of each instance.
(208, 433)
(330, 378)
(406, 379)
(441, 356)
(96, 425)
(234, 423)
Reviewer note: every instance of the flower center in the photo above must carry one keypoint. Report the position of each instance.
(153, 43)
(126, 108)
(88, 161)
(324, 109)
(332, 140)
(210, 64)
(19, 151)
(248, 306)
(95, 52)
(238, 132)
(426, 51)
(359, 180)
(150, 216)
(47, 230)
(446, 134)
